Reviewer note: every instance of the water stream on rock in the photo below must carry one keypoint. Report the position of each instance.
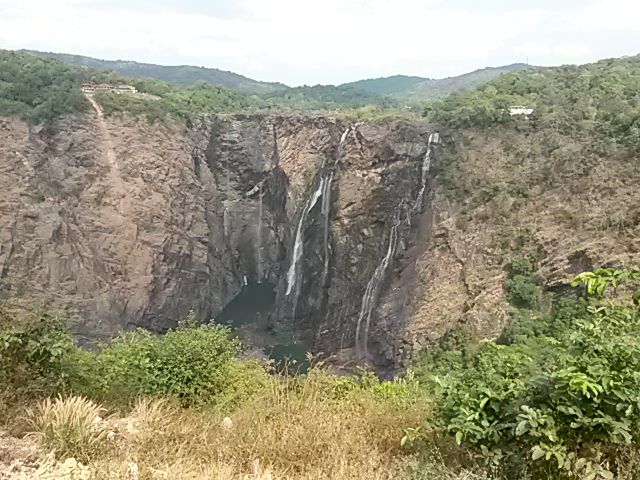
(259, 268)
(371, 295)
(326, 209)
(292, 277)
(426, 166)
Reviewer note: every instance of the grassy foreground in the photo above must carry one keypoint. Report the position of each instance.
(292, 429)
(557, 396)
(186, 406)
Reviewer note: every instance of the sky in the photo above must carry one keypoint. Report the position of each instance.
(330, 41)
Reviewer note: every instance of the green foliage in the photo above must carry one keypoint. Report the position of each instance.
(326, 97)
(522, 285)
(38, 89)
(596, 282)
(197, 364)
(598, 103)
(183, 74)
(394, 85)
(173, 100)
(524, 327)
(521, 265)
(522, 291)
(552, 413)
(41, 88)
(34, 351)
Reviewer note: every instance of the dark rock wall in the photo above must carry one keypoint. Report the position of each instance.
(119, 223)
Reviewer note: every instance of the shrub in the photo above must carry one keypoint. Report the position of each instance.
(34, 350)
(569, 415)
(522, 292)
(197, 364)
(521, 265)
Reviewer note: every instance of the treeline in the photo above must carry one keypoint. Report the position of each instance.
(38, 89)
(326, 97)
(595, 100)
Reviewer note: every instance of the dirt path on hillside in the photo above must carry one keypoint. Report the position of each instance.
(117, 183)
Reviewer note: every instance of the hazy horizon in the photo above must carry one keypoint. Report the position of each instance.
(330, 43)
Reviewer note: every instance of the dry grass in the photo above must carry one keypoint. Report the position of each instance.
(294, 430)
(70, 427)
(319, 427)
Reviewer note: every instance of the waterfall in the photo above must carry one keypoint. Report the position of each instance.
(371, 294)
(326, 208)
(324, 190)
(298, 244)
(426, 165)
(341, 144)
(226, 223)
(259, 272)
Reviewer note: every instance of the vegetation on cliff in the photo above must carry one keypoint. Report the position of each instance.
(160, 402)
(38, 89)
(557, 396)
(597, 104)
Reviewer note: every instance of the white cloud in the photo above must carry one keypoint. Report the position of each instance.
(605, 15)
(572, 50)
(533, 49)
(309, 42)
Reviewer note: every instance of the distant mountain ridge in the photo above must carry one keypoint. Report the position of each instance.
(402, 87)
(394, 85)
(182, 74)
(424, 89)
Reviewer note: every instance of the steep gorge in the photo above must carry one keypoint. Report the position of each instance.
(118, 223)
(377, 237)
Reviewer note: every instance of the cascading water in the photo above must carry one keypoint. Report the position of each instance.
(326, 207)
(426, 165)
(259, 272)
(371, 294)
(341, 144)
(324, 190)
(226, 222)
(298, 244)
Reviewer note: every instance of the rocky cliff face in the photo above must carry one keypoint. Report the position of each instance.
(118, 223)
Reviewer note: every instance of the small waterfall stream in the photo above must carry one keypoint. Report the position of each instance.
(324, 190)
(370, 297)
(326, 208)
(259, 269)
(292, 279)
(226, 222)
(426, 165)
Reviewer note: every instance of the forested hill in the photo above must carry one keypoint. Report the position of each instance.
(395, 85)
(182, 74)
(40, 88)
(425, 89)
(597, 103)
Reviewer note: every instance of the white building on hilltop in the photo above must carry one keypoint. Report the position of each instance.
(518, 110)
